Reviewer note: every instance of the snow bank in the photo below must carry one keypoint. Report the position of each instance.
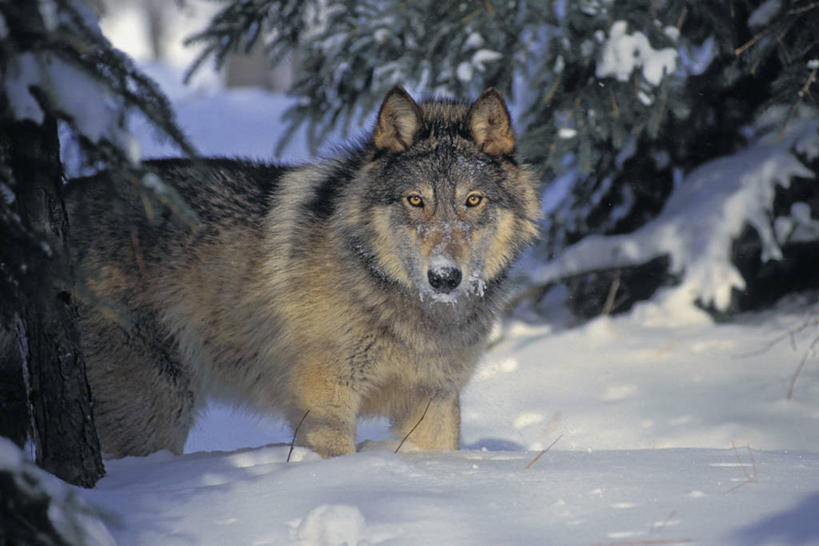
(469, 497)
(700, 221)
(26, 485)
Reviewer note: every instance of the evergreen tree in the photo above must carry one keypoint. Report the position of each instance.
(58, 74)
(618, 97)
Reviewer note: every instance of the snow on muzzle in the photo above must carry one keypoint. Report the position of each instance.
(443, 274)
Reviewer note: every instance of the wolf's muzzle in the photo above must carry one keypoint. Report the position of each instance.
(445, 279)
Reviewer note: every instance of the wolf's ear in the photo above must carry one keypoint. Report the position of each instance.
(398, 121)
(491, 126)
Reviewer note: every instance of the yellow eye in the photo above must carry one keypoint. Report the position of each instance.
(415, 200)
(474, 199)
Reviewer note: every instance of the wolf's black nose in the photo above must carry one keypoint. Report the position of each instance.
(445, 279)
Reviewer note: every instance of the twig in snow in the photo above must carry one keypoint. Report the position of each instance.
(801, 365)
(791, 336)
(615, 286)
(404, 439)
(658, 528)
(295, 432)
(749, 477)
(539, 455)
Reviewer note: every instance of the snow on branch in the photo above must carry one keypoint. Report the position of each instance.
(39, 508)
(70, 90)
(703, 216)
(622, 53)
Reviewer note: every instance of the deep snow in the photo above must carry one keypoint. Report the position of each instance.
(468, 497)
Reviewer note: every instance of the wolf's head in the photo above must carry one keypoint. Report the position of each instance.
(447, 204)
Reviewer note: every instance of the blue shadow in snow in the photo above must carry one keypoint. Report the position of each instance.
(493, 444)
(796, 525)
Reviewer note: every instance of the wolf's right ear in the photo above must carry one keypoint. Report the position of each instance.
(398, 121)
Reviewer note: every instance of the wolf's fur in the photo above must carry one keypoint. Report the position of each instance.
(306, 288)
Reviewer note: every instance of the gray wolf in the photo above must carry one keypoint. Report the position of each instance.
(358, 286)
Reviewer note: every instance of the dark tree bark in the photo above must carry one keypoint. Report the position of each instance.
(14, 416)
(24, 517)
(60, 399)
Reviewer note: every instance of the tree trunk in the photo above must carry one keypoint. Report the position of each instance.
(14, 416)
(64, 434)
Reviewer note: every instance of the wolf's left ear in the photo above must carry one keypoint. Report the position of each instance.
(491, 126)
(398, 121)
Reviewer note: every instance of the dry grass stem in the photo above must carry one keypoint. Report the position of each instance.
(295, 432)
(796, 372)
(750, 477)
(791, 336)
(610, 298)
(539, 455)
(404, 439)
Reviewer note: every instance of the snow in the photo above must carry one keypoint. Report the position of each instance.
(700, 221)
(623, 53)
(7, 193)
(250, 123)
(566, 132)
(70, 89)
(68, 512)
(762, 15)
(22, 73)
(464, 71)
(474, 41)
(694, 60)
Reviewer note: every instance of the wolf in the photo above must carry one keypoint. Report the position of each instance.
(364, 285)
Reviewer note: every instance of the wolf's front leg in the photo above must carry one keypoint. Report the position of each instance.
(440, 426)
(328, 408)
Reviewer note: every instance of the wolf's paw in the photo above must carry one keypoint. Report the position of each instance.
(388, 445)
(328, 441)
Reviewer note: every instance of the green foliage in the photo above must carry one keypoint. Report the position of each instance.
(619, 138)
(106, 85)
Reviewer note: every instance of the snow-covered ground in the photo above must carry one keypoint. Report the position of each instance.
(642, 411)
(644, 418)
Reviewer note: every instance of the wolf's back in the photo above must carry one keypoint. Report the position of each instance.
(153, 278)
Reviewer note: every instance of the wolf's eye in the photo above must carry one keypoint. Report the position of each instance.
(474, 199)
(415, 200)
